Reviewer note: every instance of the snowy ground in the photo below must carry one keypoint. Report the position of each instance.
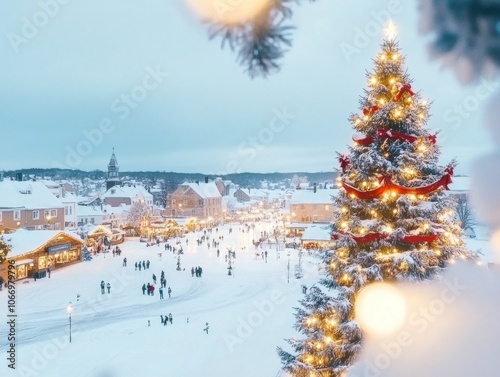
(249, 313)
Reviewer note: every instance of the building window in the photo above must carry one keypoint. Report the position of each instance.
(53, 212)
(46, 213)
(17, 215)
(92, 221)
(36, 215)
(57, 226)
(66, 211)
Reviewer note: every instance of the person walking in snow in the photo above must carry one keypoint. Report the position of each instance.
(136, 266)
(144, 289)
(147, 264)
(170, 318)
(124, 262)
(102, 286)
(152, 289)
(169, 292)
(149, 289)
(109, 287)
(161, 293)
(166, 320)
(206, 327)
(192, 271)
(143, 265)
(154, 278)
(162, 319)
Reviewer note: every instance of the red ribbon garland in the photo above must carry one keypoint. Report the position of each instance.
(344, 162)
(404, 89)
(370, 237)
(387, 184)
(370, 110)
(386, 133)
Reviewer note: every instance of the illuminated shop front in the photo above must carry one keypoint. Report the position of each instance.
(34, 252)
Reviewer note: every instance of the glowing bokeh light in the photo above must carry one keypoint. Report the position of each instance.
(228, 12)
(495, 244)
(380, 309)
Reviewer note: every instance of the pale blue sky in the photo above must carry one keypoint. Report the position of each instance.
(207, 115)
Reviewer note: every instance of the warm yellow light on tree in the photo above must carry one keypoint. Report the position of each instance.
(395, 56)
(380, 308)
(392, 80)
(373, 80)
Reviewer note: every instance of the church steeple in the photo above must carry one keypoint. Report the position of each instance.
(113, 170)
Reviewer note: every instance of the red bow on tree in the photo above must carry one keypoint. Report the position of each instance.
(370, 110)
(404, 89)
(432, 139)
(446, 180)
(344, 162)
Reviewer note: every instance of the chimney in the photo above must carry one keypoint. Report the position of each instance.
(206, 179)
(314, 189)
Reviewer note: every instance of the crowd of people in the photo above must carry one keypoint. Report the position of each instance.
(208, 238)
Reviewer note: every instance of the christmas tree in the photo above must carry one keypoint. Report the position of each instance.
(4, 249)
(86, 256)
(393, 219)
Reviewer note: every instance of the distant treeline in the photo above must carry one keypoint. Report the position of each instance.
(173, 179)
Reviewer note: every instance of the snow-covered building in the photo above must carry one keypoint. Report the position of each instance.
(116, 216)
(89, 215)
(127, 195)
(36, 250)
(69, 201)
(316, 237)
(198, 199)
(248, 194)
(312, 205)
(30, 205)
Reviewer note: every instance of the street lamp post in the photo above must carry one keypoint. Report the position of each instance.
(69, 309)
(48, 217)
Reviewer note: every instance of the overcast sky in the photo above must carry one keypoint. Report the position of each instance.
(200, 111)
